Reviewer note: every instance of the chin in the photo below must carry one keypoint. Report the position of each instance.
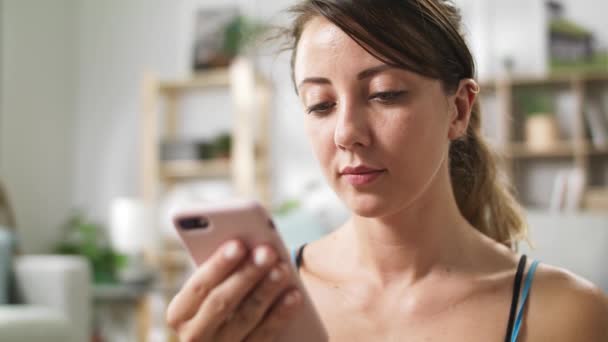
(368, 205)
(379, 203)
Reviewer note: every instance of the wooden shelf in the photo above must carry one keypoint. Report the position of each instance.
(597, 151)
(215, 78)
(562, 149)
(195, 169)
(596, 77)
(576, 152)
(553, 80)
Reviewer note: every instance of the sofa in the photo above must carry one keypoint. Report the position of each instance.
(54, 296)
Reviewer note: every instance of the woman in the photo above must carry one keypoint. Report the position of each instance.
(427, 255)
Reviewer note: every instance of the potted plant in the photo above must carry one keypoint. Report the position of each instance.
(240, 34)
(541, 130)
(221, 36)
(222, 145)
(89, 240)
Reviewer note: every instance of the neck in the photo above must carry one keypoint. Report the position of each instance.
(428, 234)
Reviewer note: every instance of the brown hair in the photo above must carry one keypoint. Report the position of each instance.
(424, 36)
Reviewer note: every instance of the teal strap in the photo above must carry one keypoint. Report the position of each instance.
(520, 314)
(294, 256)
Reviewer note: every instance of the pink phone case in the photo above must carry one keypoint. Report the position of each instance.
(249, 222)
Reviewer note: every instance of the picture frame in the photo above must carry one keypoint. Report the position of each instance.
(208, 50)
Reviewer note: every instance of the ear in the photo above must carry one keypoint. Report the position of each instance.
(461, 104)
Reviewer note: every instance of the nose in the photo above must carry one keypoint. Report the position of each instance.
(352, 127)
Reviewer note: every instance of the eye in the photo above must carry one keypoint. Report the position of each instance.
(387, 96)
(320, 108)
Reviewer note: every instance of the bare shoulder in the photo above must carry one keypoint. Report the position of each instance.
(565, 307)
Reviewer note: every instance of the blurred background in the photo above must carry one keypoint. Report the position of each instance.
(115, 113)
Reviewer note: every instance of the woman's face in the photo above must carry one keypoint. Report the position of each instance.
(381, 134)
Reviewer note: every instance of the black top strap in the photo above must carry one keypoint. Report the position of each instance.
(515, 299)
(299, 256)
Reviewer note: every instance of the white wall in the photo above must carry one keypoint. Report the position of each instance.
(591, 14)
(116, 41)
(507, 28)
(38, 57)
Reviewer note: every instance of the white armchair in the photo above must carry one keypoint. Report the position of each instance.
(57, 293)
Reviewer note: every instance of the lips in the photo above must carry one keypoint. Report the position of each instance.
(361, 175)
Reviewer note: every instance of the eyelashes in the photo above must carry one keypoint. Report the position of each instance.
(320, 108)
(383, 97)
(387, 96)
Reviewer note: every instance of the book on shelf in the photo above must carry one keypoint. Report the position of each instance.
(575, 187)
(568, 188)
(559, 192)
(597, 122)
(564, 104)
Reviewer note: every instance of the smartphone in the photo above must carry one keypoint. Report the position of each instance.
(203, 229)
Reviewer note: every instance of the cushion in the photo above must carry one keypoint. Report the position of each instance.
(26, 323)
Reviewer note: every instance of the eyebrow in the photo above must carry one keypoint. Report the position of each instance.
(367, 73)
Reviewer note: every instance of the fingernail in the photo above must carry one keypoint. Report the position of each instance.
(261, 256)
(292, 298)
(232, 250)
(275, 274)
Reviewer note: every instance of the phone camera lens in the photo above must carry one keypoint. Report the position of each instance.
(191, 223)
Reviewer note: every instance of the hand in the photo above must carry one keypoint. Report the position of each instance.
(235, 296)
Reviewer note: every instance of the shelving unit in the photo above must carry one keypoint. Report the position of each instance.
(247, 168)
(506, 132)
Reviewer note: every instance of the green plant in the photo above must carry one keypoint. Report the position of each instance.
(88, 239)
(536, 103)
(221, 145)
(287, 207)
(597, 63)
(205, 150)
(240, 33)
(569, 28)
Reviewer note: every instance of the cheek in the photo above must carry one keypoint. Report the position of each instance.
(428, 124)
(321, 136)
(415, 138)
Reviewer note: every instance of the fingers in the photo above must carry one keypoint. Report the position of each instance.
(223, 300)
(274, 322)
(254, 307)
(211, 273)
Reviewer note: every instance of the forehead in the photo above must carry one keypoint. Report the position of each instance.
(324, 48)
